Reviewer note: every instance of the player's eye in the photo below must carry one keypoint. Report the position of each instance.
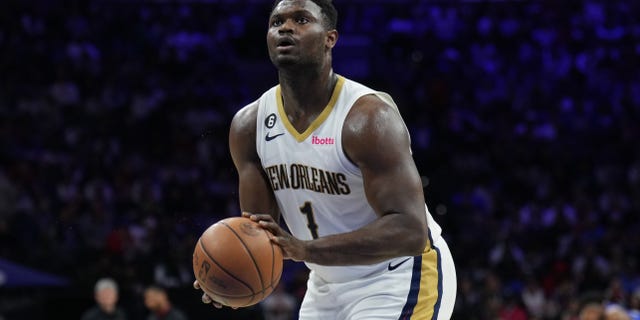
(302, 20)
(276, 22)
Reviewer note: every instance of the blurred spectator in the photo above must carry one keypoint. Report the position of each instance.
(634, 305)
(511, 308)
(533, 298)
(615, 292)
(615, 312)
(157, 301)
(106, 297)
(280, 305)
(467, 301)
(591, 311)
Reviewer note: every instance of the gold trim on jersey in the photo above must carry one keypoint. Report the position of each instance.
(429, 283)
(317, 122)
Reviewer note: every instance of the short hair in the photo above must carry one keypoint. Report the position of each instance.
(156, 287)
(329, 12)
(105, 283)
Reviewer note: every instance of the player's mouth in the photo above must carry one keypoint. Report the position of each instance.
(285, 44)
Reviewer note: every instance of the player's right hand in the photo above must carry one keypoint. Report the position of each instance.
(206, 298)
(292, 247)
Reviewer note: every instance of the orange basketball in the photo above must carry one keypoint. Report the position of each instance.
(235, 262)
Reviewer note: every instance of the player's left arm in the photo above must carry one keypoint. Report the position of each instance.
(376, 140)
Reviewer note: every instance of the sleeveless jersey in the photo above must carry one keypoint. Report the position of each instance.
(319, 191)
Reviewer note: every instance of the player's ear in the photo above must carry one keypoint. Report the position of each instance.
(332, 38)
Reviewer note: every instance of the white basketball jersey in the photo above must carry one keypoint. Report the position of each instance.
(318, 189)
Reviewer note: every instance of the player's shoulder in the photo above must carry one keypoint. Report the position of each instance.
(244, 121)
(375, 110)
(247, 115)
(374, 120)
(366, 100)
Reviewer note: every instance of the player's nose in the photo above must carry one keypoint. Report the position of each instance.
(286, 27)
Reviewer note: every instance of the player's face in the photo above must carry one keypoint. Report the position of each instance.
(297, 35)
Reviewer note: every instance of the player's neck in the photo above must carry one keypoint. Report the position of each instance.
(307, 91)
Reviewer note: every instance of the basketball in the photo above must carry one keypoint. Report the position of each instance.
(235, 263)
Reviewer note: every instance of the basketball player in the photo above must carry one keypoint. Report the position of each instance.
(333, 158)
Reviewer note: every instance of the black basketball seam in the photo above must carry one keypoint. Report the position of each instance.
(255, 263)
(242, 296)
(273, 261)
(204, 250)
(277, 280)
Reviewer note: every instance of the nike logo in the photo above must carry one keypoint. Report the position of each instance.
(393, 267)
(269, 138)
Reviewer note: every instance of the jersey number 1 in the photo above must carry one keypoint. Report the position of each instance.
(307, 210)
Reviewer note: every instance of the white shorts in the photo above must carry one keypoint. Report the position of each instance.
(422, 287)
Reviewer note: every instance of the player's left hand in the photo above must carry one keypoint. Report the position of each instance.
(206, 298)
(292, 247)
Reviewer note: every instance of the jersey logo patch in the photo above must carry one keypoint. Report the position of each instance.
(270, 120)
(322, 141)
(393, 267)
(269, 138)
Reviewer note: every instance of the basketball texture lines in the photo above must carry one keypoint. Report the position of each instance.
(236, 263)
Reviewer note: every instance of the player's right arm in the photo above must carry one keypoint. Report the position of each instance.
(254, 190)
(255, 193)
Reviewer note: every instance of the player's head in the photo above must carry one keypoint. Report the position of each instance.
(302, 32)
(329, 12)
(106, 294)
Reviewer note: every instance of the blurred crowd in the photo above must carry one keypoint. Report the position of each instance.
(524, 116)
